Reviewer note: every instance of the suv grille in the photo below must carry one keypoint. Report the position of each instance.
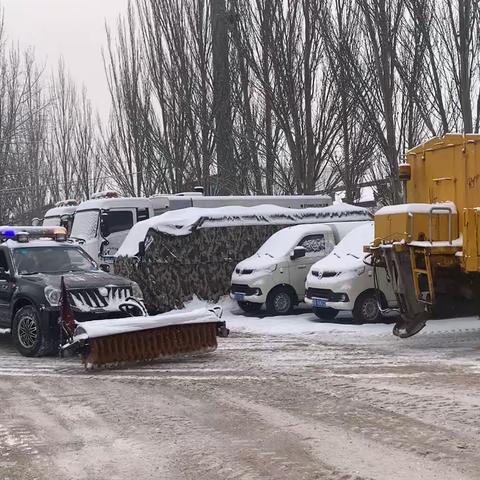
(90, 298)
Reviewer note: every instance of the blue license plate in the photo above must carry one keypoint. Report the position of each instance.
(239, 297)
(319, 302)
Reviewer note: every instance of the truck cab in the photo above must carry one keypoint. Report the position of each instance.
(101, 225)
(61, 215)
(275, 274)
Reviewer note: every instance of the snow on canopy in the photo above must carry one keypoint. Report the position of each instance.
(185, 221)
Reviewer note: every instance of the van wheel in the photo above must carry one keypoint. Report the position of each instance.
(366, 308)
(325, 313)
(250, 307)
(280, 301)
(28, 334)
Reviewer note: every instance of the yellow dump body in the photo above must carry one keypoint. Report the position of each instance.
(443, 171)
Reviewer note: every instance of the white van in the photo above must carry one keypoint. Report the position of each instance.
(276, 274)
(342, 281)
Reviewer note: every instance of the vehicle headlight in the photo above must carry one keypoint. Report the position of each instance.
(270, 269)
(360, 271)
(136, 291)
(52, 295)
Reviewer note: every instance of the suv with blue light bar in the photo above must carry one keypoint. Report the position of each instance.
(33, 261)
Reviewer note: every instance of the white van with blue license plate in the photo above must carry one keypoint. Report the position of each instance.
(342, 281)
(275, 275)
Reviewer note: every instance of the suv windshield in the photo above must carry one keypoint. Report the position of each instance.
(57, 259)
(85, 224)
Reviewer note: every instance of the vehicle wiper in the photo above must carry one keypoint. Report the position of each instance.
(354, 256)
(29, 273)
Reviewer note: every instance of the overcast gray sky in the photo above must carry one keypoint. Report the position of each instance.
(72, 28)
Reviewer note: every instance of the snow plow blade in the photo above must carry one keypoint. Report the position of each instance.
(143, 339)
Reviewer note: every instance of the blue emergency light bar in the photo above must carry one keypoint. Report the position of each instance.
(23, 234)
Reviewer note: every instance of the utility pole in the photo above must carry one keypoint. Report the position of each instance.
(222, 109)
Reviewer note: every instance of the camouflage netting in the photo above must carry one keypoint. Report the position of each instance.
(177, 267)
(194, 251)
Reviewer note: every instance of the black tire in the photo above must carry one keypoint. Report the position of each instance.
(29, 335)
(366, 308)
(280, 301)
(250, 307)
(325, 313)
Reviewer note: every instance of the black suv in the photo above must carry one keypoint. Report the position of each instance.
(30, 278)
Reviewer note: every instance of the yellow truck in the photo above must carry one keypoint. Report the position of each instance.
(430, 246)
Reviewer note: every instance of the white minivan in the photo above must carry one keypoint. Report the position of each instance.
(343, 281)
(275, 275)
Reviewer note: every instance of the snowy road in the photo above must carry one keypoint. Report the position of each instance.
(326, 402)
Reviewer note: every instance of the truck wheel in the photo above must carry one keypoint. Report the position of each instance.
(366, 308)
(280, 301)
(250, 307)
(28, 334)
(325, 313)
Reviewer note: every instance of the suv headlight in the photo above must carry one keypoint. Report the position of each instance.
(136, 291)
(52, 295)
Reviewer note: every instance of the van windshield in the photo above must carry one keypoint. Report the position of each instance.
(279, 244)
(352, 244)
(85, 224)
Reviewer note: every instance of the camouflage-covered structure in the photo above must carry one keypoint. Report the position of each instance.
(176, 267)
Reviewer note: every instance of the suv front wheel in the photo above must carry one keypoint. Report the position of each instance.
(28, 335)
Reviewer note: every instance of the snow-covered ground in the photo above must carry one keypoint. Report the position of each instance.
(282, 398)
(305, 322)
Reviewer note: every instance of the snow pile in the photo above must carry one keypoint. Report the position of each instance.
(102, 328)
(184, 221)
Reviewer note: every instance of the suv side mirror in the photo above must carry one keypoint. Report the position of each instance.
(104, 230)
(298, 252)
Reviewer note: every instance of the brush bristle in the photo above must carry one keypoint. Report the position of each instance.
(157, 343)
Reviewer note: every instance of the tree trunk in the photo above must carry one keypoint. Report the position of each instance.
(226, 170)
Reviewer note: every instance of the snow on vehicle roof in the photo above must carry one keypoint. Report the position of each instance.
(99, 203)
(348, 254)
(101, 328)
(59, 211)
(417, 208)
(184, 221)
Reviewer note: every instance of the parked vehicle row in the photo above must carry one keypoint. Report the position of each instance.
(322, 265)
(101, 224)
